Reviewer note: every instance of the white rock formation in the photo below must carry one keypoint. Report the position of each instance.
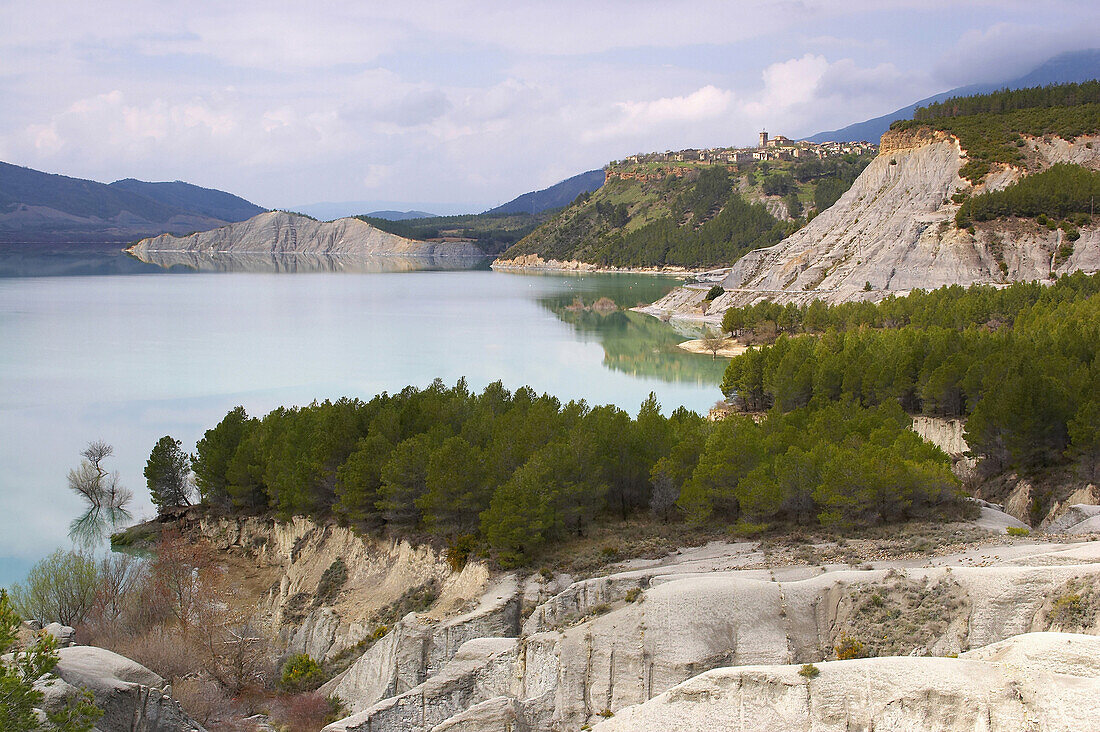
(894, 229)
(1078, 519)
(1041, 681)
(133, 698)
(481, 670)
(589, 651)
(278, 232)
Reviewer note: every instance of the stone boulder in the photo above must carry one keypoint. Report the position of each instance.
(64, 634)
(1077, 519)
(133, 698)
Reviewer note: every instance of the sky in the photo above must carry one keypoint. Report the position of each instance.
(461, 105)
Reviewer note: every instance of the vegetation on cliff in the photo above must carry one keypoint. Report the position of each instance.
(989, 126)
(510, 473)
(1020, 363)
(704, 217)
(1060, 192)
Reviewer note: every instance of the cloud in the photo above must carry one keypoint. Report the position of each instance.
(635, 117)
(464, 100)
(375, 175)
(1003, 50)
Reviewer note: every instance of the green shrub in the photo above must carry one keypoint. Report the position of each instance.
(301, 673)
(633, 594)
(749, 528)
(849, 648)
(332, 581)
(459, 551)
(809, 671)
(1069, 611)
(713, 292)
(1017, 531)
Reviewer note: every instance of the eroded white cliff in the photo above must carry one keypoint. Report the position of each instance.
(893, 231)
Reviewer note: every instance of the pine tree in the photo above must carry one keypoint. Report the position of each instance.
(168, 475)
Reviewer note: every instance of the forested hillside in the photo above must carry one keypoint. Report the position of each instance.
(493, 232)
(43, 207)
(703, 216)
(989, 126)
(506, 473)
(1021, 363)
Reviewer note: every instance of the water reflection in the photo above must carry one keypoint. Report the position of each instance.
(306, 262)
(597, 306)
(69, 260)
(105, 500)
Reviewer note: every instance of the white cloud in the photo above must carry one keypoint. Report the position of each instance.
(459, 100)
(636, 117)
(375, 175)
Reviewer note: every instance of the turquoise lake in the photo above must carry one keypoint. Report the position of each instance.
(99, 346)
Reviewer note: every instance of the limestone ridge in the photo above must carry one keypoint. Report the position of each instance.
(894, 230)
(279, 232)
(547, 653)
(1041, 681)
(590, 651)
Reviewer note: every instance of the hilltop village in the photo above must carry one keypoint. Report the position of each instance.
(652, 166)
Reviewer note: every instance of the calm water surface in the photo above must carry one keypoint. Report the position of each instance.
(104, 347)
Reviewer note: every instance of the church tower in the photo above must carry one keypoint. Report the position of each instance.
(763, 139)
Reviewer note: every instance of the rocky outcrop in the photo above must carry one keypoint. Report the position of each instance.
(605, 644)
(481, 670)
(1042, 681)
(278, 232)
(133, 698)
(1076, 519)
(893, 231)
(280, 565)
(419, 647)
(450, 258)
(950, 436)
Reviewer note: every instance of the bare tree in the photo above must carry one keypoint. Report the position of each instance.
(713, 342)
(106, 500)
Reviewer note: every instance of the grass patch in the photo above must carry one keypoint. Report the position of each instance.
(894, 617)
(332, 581)
(1074, 606)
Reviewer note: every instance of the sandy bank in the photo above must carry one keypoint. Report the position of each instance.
(730, 348)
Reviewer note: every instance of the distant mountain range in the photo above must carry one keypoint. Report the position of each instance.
(556, 196)
(1075, 66)
(43, 207)
(400, 215)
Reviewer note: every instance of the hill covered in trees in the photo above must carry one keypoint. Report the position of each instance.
(989, 126)
(701, 216)
(1020, 363)
(492, 232)
(43, 207)
(506, 473)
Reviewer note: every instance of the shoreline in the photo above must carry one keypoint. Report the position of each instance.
(535, 263)
(730, 348)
